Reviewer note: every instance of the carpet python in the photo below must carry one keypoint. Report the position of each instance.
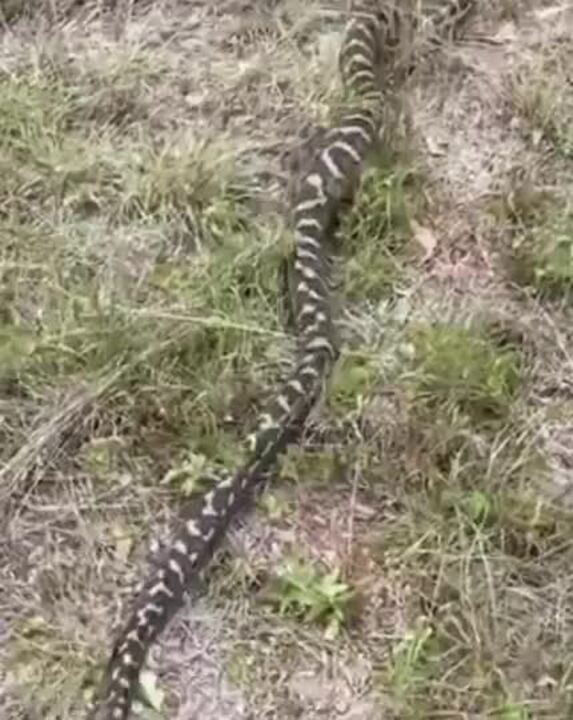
(327, 185)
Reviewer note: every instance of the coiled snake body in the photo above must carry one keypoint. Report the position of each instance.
(331, 179)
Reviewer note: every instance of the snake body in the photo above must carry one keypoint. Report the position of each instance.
(329, 183)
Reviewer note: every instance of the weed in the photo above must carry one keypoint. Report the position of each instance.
(469, 538)
(276, 507)
(320, 467)
(110, 91)
(376, 233)
(409, 664)
(354, 379)
(512, 711)
(465, 370)
(540, 94)
(34, 114)
(543, 258)
(303, 592)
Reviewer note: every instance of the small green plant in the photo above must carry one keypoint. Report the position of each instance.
(466, 370)
(512, 711)
(409, 663)
(320, 467)
(478, 507)
(303, 592)
(212, 449)
(543, 257)
(353, 380)
(276, 507)
(376, 234)
(188, 476)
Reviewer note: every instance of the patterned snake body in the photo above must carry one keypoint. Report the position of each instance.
(329, 181)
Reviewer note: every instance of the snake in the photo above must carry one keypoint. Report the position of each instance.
(327, 188)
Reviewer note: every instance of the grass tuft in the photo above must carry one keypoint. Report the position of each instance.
(465, 370)
(309, 595)
(541, 97)
(377, 231)
(543, 258)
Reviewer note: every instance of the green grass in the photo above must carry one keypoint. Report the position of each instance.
(473, 539)
(377, 232)
(543, 257)
(139, 334)
(302, 592)
(74, 307)
(131, 265)
(479, 548)
(540, 94)
(478, 574)
(465, 370)
(540, 225)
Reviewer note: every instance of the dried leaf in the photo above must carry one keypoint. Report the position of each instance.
(122, 540)
(151, 693)
(425, 237)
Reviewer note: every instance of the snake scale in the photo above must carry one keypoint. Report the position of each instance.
(327, 186)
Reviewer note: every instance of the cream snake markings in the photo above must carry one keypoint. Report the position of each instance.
(326, 186)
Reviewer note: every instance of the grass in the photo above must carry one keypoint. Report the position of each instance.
(540, 225)
(132, 266)
(409, 561)
(307, 594)
(543, 257)
(540, 97)
(481, 579)
(377, 233)
(541, 228)
(542, 220)
(465, 370)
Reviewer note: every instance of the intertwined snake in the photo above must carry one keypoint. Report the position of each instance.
(329, 182)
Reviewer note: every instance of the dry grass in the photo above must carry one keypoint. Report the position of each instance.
(414, 557)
